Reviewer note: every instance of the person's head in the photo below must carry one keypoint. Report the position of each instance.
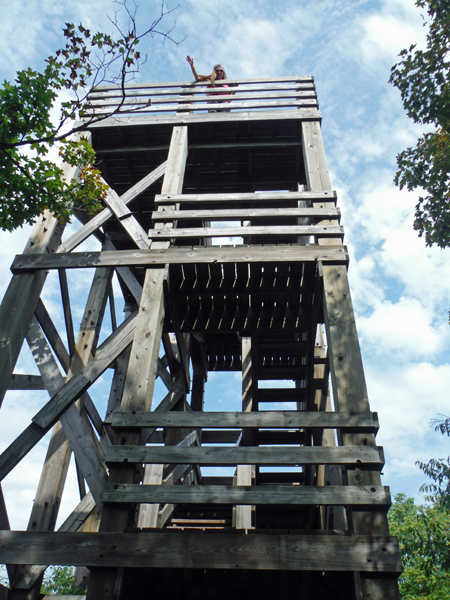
(218, 73)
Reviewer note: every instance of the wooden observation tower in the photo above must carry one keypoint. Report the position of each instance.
(223, 230)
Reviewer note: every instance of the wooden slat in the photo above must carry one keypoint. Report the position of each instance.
(210, 232)
(170, 84)
(185, 118)
(204, 550)
(236, 95)
(200, 254)
(204, 105)
(26, 382)
(273, 197)
(348, 455)
(267, 419)
(193, 88)
(248, 495)
(246, 213)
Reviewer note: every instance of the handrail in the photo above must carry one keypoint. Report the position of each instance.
(186, 97)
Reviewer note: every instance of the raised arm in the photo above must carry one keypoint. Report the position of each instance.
(196, 75)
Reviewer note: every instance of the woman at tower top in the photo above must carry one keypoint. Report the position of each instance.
(217, 74)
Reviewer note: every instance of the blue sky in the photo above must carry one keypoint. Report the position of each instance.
(399, 287)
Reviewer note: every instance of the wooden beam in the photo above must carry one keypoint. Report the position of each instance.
(180, 119)
(378, 554)
(126, 218)
(17, 307)
(142, 367)
(71, 391)
(365, 421)
(26, 382)
(79, 434)
(367, 456)
(245, 213)
(82, 234)
(211, 232)
(272, 197)
(200, 254)
(248, 495)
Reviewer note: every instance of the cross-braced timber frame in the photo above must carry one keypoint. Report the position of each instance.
(223, 230)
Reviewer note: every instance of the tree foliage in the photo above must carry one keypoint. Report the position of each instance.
(424, 538)
(423, 78)
(29, 181)
(438, 470)
(61, 581)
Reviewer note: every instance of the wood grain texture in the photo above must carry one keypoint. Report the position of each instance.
(159, 258)
(267, 419)
(248, 494)
(348, 455)
(204, 550)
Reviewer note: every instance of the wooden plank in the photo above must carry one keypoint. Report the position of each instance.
(88, 454)
(141, 373)
(126, 219)
(378, 554)
(267, 420)
(211, 232)
(137, 101)
(52, 335)
(248, 495)
(170, 84)
(105, 355)
(18, 304)
(200, 254)
(82, 234)
(72, 390)
(348, 455)
(67, 311)
(74, 522)
(305, 114)
(26, 382)
(245, 213)
(193, 88)
(202, 105)
(273, 197)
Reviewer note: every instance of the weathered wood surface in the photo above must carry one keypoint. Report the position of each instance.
(348, 455)
(297, 79)
(185, 118)
(245, 213)
(26, 382)
(248, 494)
(200, 254)
(127, 219)
(210, 232)
(272, 197)
(71, 391)
(193, 88)
(204, 104)
(267, 419)
(84, 232)
(201, 94)
(18, 304)
(204, 550)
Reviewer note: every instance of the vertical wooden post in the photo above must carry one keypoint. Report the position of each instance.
(244, 472)
(142, 368)
(347, 375)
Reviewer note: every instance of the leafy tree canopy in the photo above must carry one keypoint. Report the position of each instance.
(423, 78)
(424, 538)
(29, 181)
(438, 470)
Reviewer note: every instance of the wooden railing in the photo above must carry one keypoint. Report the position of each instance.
(174, 97)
